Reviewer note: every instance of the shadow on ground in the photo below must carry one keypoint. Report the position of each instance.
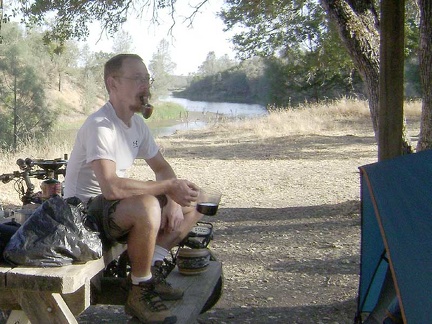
(282, 315)
(312, 314)
(292, 147)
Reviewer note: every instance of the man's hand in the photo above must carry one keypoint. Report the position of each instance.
(183, 192)
(172, 217)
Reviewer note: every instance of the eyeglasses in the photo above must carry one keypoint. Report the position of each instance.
(139, 81)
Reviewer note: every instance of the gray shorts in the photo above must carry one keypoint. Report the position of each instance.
(100, 212)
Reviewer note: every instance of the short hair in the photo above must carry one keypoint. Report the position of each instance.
(114, 64)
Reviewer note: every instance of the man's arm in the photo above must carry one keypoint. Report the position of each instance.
(172, 214)
(114, 187)
(161, 167)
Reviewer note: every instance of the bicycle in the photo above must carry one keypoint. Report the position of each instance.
(195, 245)
(46, 170)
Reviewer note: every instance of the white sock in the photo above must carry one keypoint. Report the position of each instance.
(137, 280)
(160, 253)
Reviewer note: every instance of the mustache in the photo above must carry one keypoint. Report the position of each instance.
(145, 98)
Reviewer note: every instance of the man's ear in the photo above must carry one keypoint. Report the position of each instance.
(111, 83)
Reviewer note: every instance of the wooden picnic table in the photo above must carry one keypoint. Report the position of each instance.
(59, 294)
(52, 294)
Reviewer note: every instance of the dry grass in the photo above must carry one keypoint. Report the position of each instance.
(312, 119)
(412, 108)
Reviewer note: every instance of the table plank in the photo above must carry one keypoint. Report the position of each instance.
(4, 269)
(197, 290)
(64, 280)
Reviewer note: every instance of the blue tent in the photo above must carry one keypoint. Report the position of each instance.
(396, 234)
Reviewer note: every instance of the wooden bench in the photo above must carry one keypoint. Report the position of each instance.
(198, 289)
(60, 294)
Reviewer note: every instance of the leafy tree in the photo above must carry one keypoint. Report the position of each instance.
(272, 26)
(305, 56)
(303, 38)
(100, 58)
(258, 78)
(63, 57)
(91, 86)
(239, 83)
(412, 36)
(122, 43)
(91, 76)
(23, 107)
(425, 61)
(161, 67)
(213, 65)
(73, 17)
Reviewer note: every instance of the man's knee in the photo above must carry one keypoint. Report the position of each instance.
(139, 207)
(191, 216)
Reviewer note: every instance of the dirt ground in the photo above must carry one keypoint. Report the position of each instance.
(288, 228)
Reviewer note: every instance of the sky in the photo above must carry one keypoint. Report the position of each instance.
(189, 46)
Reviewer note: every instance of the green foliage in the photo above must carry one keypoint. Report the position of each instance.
(412, 39)
(90, 78)
(283, 82)
(71, 19)
(221, 79)
(269, 27)
(6, 134)
(166, 111)
(290, 51)
(122, 43)
(92, 69)
(62, 107)
(161, 67)
(302, 52)
(412, 79)
(213, 65)
(412, 28)
(24, 109)
(298, 35)
(231, 85)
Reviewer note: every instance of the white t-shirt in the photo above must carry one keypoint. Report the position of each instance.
(104, 136)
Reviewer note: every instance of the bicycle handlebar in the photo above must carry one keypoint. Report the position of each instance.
(6, 177)
(47, 168)
(38, 174)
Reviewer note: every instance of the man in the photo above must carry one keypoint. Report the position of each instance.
(150, 216)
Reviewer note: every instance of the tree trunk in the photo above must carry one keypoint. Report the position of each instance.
(391, 84)
(358, 25)
(15, 114)
(425, 60)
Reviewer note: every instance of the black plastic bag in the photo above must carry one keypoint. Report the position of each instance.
(54, 235)
(6, 231)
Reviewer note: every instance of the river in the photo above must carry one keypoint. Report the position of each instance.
(228, 109)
